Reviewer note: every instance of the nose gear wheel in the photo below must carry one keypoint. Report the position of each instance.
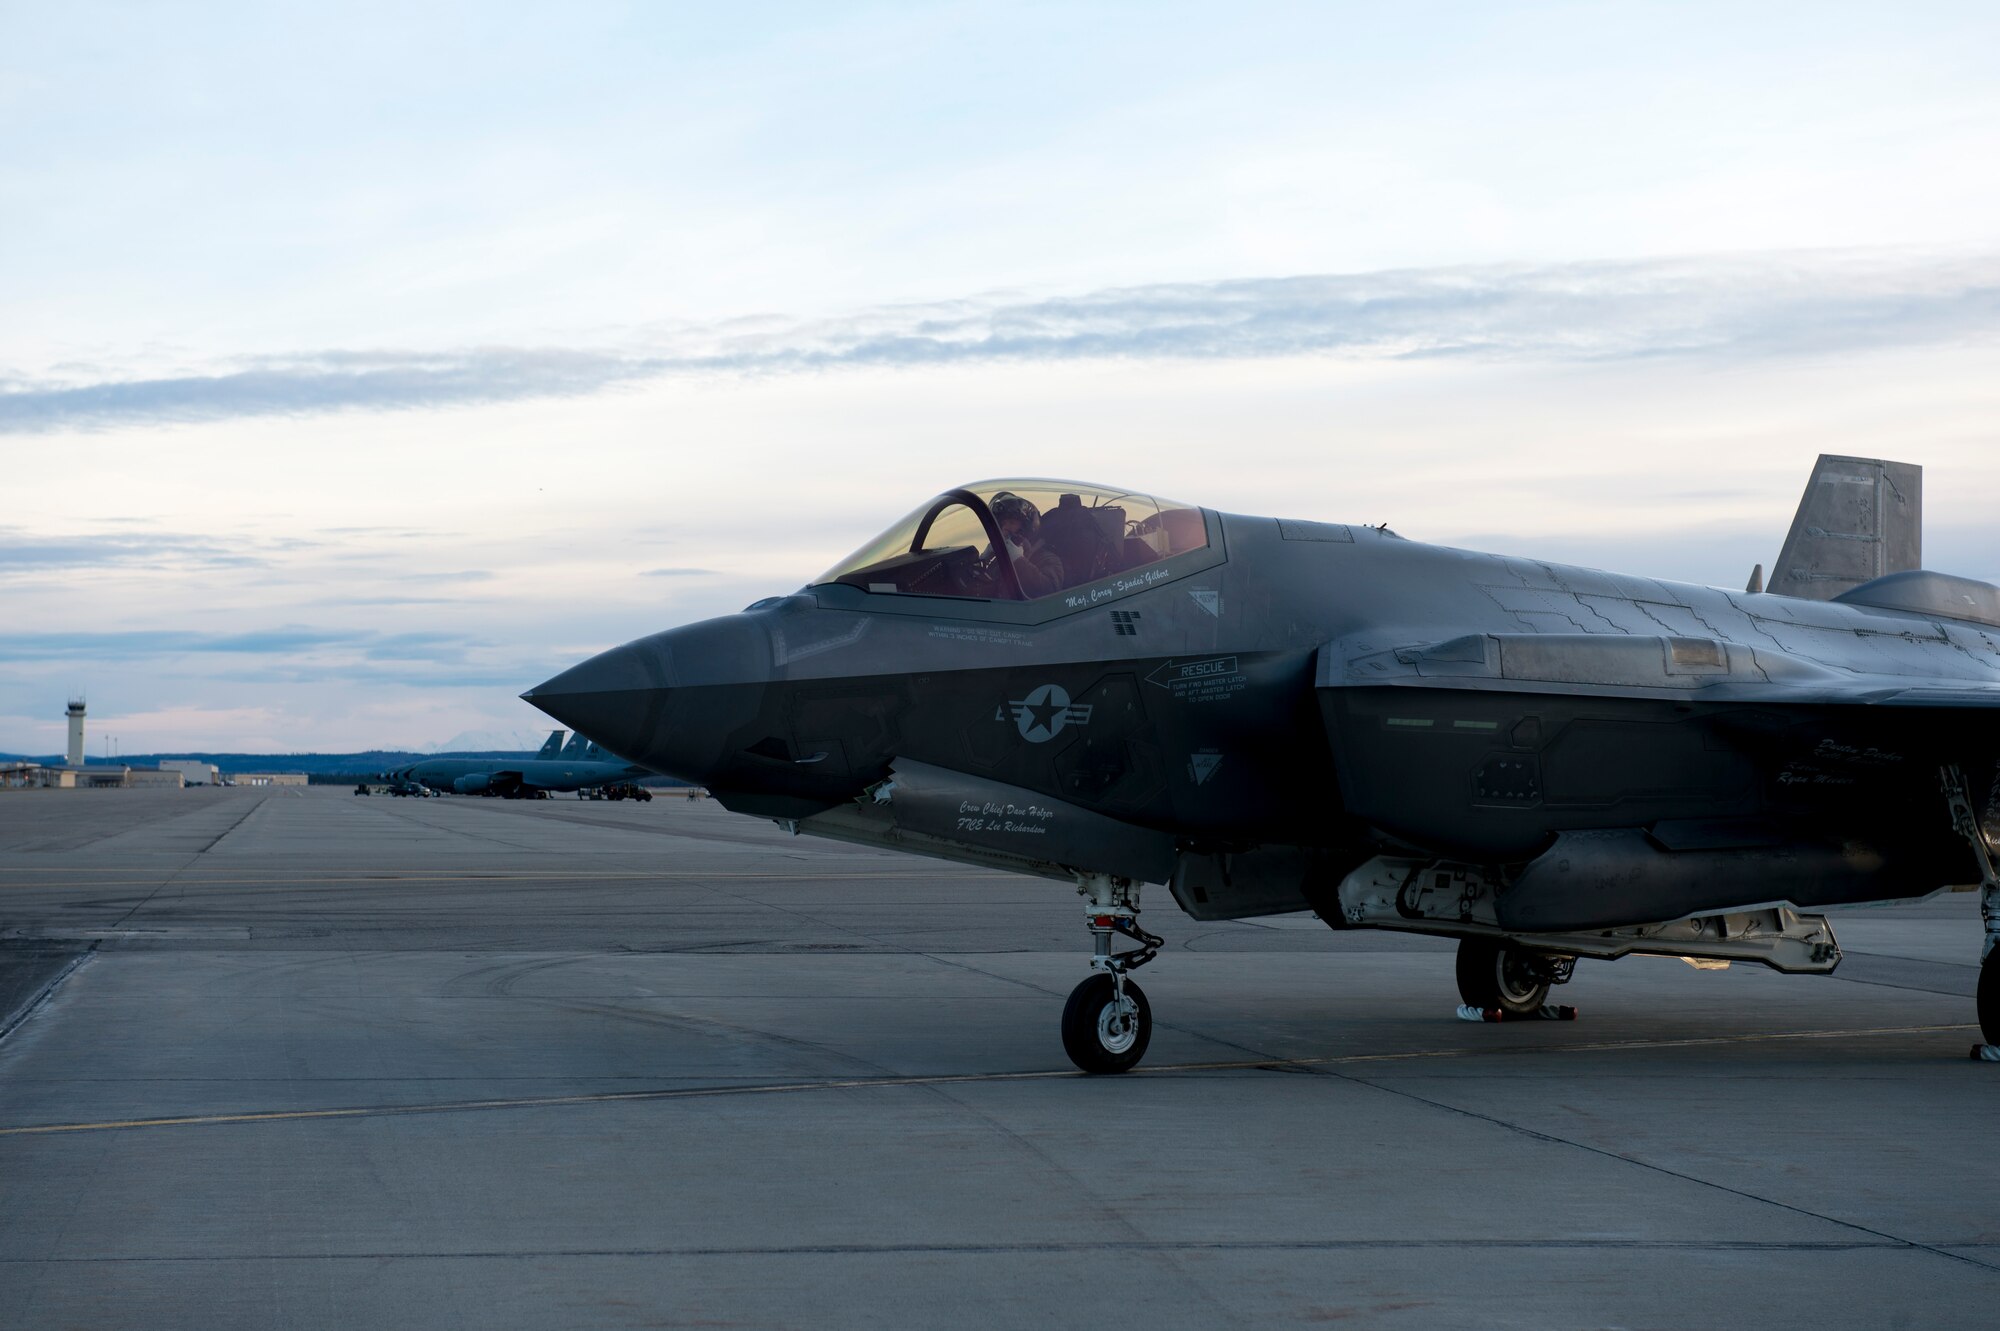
(1104, 1031)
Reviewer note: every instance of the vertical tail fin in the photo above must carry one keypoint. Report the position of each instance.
(577, 747)
(1860, 518)
(552, 745)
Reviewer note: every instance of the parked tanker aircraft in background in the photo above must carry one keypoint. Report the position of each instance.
(1546, 763)
(578, 766)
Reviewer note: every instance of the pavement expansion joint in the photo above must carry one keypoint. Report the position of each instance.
(46, 992)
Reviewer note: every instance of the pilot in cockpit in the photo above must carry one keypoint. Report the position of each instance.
(1038, 568)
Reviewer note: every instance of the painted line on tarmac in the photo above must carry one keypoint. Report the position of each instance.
(165, 933)
(943, 1079)
(523, 877)
(1600, 1046)
(1010, 1249)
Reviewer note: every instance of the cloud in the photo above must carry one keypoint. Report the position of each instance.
(453, 575)
(328, 381)
(1735, 306)
(448, 649)
(38, 553)
(384, 600)
(139, 643)
(286, 656)
(412, 533)
(292, 673)
(435, 647)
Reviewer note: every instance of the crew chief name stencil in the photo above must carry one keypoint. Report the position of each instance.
(1044, 713)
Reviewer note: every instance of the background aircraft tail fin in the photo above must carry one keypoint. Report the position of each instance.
(552, 745)
(577, 747)
(1860, 518)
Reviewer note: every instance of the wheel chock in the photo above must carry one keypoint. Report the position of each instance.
(1546, 1012)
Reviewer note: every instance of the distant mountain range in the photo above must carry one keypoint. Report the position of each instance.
(491, 741)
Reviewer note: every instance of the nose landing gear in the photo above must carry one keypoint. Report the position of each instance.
(1107, 1023)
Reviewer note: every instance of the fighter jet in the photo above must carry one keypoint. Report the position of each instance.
(580, 765)
(1547, 763)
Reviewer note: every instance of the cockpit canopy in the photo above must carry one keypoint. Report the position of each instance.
(1020, 540)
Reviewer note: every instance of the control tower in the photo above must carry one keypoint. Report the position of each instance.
(75, 757)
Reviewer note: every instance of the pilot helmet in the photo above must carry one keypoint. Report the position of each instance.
(1007, 505)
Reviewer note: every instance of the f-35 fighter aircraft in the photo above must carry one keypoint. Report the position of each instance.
(580, 765)
(1265, 715)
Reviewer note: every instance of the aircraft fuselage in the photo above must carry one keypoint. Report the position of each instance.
(1331, 687)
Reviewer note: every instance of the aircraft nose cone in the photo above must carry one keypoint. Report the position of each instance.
(674, 702)
(613, 697)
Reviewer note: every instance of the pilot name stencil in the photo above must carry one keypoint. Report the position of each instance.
(1044, 713)
(1137, 582)
(1200, 681)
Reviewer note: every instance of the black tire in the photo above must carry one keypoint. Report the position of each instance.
(1495, 975)
(1989, 997)
(1091, 1035)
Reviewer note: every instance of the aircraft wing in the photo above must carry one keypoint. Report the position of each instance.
(1634, 666)
(1957, 696)
(1610, 727)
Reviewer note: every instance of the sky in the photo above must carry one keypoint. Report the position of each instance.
(362, 366)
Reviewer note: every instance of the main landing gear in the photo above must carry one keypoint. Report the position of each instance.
(1496, 975)
(1107, 1023)
(1966, 822)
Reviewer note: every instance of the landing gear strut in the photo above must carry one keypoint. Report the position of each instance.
(1966, 821)
(1107, 1023)
(1492, 974)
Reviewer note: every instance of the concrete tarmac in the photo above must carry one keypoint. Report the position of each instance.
(302, 1059)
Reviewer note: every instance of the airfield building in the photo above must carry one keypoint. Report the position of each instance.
(96, 776)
